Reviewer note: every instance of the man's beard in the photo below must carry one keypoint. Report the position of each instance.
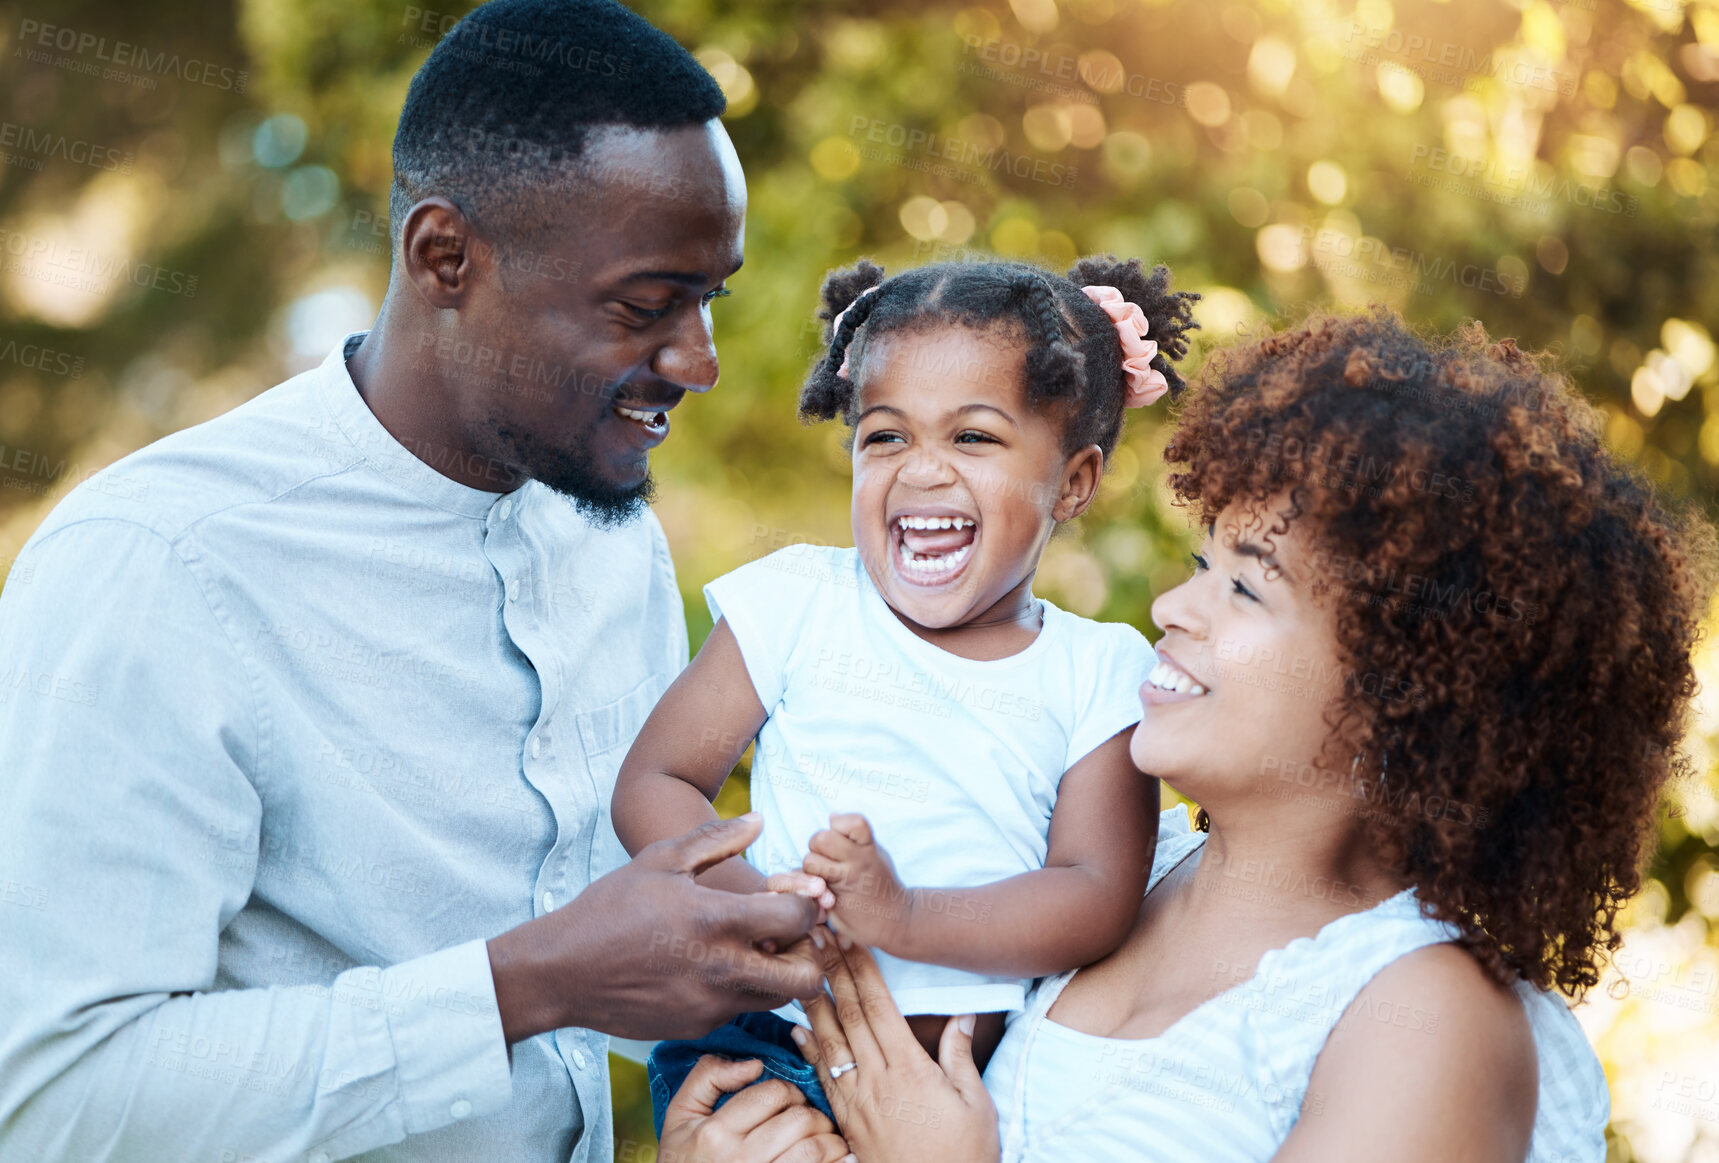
(569, 471)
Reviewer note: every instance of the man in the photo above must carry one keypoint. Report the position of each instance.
(311, 727)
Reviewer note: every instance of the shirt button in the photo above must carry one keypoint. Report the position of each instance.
(536, 747)
(504, 509)
(460, 1109)
(548, 902)
(579, 1059)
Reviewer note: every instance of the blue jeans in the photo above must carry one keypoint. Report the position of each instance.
(763, 1036)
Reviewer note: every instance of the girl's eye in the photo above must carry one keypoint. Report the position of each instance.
(1199, 562)
(883, 438)
(1243, 590)
(971, 437)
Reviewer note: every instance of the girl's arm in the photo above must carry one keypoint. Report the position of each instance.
(1461, 1086)
(695, 735)
(1069, 913)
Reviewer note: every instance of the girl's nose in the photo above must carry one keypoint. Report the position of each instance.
(923, 468)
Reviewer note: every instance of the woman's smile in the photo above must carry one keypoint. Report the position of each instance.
(1170, 683)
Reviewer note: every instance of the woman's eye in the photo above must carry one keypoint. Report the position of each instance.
(1199, 562)
(1243, 590)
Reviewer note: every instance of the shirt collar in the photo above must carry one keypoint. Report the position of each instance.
(379, 448)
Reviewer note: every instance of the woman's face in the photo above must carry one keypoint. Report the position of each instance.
(1249, 665)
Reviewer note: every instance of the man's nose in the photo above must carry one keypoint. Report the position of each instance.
(689, 358)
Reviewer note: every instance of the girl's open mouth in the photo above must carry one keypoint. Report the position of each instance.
(932, 549)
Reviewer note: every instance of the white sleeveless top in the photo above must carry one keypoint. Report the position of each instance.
(1228, 1080)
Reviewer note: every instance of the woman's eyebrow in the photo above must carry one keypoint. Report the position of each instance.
(1265, 558)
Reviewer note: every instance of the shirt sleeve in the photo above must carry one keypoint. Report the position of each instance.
(132, 744)
(1115, 664)
(765, 603)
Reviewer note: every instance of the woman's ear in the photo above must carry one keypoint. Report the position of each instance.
(1079, 483)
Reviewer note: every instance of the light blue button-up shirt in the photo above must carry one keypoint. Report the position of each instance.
(290, 723)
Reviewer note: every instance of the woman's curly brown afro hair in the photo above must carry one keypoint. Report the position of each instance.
(1540, 601)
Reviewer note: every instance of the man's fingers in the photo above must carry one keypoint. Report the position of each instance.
(852, 825)
(763, 981)
(708, 844)
(709, 1080)
(776, 916)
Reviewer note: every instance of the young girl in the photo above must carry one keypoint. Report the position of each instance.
(921, 718)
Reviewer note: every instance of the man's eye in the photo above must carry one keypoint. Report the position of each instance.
(647, 312)
(717, 293)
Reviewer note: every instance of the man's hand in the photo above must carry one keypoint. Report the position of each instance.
(644, 952)
(871, 904)
(767, 1123)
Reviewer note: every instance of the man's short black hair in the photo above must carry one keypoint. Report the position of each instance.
(506, 101)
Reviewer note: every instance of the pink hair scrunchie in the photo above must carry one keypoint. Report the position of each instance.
(1145, 383)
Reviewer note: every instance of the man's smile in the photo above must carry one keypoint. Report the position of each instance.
(649, 415)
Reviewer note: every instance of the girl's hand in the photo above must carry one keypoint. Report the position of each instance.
(894, 1105)
(799, 884)
(767, 1123)
(803, 884)
(871, 905)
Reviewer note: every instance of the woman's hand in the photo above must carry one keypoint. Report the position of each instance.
(894, 1104)
(767, 1123)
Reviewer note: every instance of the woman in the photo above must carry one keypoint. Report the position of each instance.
(1426, 683)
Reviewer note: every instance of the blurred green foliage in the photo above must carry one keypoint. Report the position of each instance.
(1547, 168)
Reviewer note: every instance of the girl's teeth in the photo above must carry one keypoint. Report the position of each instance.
(948, 563)
(934, 522)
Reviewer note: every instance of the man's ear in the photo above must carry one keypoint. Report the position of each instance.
(1079, 483)
(439, 249)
